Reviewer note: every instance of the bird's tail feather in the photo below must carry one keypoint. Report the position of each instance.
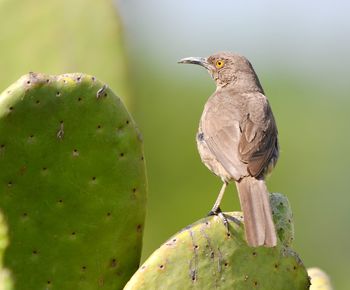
(255, 203)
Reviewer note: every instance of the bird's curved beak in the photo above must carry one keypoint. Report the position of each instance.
(202, 61)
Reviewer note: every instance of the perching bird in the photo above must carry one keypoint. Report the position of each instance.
(237, 140)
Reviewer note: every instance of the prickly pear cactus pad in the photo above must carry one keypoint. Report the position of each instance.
(205, 256)
(72, 184)
(282, 217)
(64, 35)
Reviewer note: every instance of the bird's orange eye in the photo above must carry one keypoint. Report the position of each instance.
(219, 63)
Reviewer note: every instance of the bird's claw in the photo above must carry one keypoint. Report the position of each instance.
(225, 221)
(219, 213)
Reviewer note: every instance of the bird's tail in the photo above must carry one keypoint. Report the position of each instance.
(255, 203)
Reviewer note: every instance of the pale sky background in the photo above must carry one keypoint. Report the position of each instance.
(306, 37)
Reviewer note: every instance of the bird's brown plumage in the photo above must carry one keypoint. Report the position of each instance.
(237, 139)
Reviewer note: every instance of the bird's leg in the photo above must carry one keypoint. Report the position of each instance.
(216, 208)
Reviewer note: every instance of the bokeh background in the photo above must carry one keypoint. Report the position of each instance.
(300, 50)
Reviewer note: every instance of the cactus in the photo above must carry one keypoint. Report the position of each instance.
(205, 256)
(319, 279)
(72, 184)
(5, 278)
(64, 36)
(283, 218)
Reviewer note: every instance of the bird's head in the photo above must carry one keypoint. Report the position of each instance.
(224, 67)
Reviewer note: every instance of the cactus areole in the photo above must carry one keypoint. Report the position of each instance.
(72, 184)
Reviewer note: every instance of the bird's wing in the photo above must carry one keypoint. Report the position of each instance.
(258, 141)
(241, 132)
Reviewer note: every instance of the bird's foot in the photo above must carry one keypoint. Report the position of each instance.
(219, 213)
(211, 213)
(215, 211)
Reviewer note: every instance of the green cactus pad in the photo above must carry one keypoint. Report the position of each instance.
(205, 256)
(283, 218)
(64, 35)
(72, 184)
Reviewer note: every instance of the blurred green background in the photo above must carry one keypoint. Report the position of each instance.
(300, 50)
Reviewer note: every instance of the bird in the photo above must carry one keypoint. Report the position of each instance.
(237, 140)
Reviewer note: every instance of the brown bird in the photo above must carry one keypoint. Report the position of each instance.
(237, 140)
